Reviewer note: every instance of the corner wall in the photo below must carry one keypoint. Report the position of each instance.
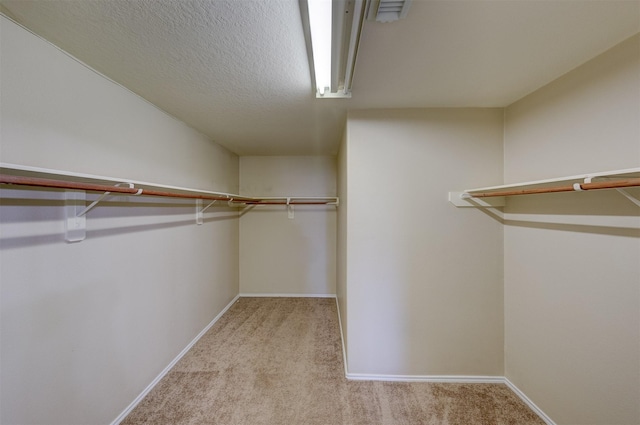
(86, 326)
(424, 278)
(572, 260)
(282, 255)
(341, 231)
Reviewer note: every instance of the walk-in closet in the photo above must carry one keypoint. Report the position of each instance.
(197, 228)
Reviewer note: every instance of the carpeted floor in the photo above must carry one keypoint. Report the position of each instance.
(278, 361)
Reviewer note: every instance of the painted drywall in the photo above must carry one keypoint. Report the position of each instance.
(86, 326)
(423, 278)
(282, 255)
(572, 261)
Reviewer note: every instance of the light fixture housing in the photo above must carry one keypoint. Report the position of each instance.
(343, 31)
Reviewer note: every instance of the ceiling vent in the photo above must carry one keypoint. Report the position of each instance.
(388, 10)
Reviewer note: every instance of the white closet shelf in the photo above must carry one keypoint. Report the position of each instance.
(76, 185)
(15, 174)
(493, 196)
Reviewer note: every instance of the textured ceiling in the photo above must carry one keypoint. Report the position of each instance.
(237, 70)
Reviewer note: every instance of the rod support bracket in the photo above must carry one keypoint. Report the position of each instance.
(104, 195)
(466, 200)
(200, 210)
(629, 196)
(290, 211)
(75, 224)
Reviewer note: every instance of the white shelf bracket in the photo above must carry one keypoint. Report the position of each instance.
(629, 196)
(465, 200)
(75, 223)
(76, 215)
(200, 211)
(104, 195)
(290, 211)
(199, 215)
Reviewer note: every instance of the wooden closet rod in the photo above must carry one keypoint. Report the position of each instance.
(618, 184)
(293, 202)
(62, 184)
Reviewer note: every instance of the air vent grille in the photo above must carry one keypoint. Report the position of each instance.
(388, 10)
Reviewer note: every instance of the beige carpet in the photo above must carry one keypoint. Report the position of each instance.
(278, 361)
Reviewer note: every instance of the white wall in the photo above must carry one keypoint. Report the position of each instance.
(572, 261)
(341, 242)
(423, 278)
(279, 255)
(86, 326)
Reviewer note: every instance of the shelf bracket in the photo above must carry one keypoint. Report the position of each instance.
(290, 211)
(629, 196)
(465, 200)
(76, 216)
(104, 195)
(75, 224)
(200, 211)
(623, 192)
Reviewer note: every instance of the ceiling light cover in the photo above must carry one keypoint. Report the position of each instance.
(320, 15)
(342, 30)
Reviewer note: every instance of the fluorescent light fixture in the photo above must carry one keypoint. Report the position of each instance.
(332, 33)
(320, 26)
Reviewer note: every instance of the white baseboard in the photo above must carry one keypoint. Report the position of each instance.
(457, 379)
(344, 347)
(472, 379)
(264, 295)
(528, 402)
(166, 370)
